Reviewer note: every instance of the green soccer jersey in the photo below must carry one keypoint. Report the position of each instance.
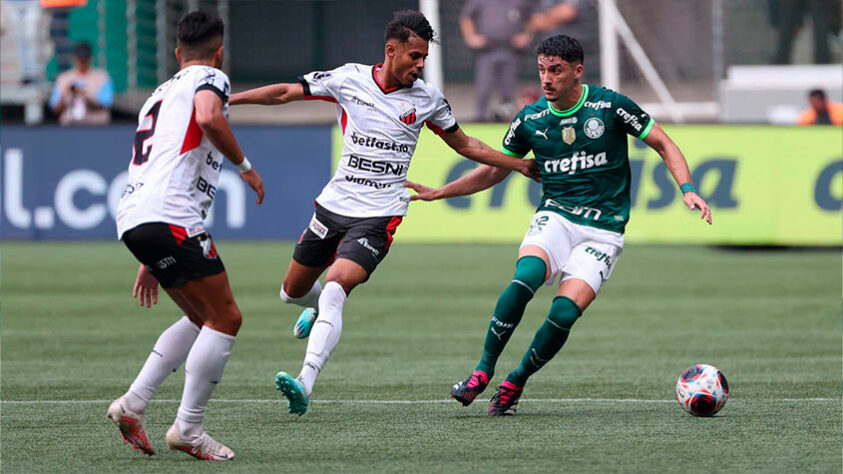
(582, 154)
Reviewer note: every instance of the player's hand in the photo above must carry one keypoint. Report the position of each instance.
(476, 42)
(694, 201)
(530, 169)
(146, 288)
(521, 40)
(253, 179)
(422, 192)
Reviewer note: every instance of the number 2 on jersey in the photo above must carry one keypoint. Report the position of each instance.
(140, 157)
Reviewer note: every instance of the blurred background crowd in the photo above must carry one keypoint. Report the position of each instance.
(90, 62)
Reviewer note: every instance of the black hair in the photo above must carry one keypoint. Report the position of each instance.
(407, 23)
(818, 93)
(562, 46)
(82, 50)
(198, 33)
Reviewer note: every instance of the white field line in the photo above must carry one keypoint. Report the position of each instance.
(399, 402)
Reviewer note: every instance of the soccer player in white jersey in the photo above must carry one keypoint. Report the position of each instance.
(181, 142)
(381, 110)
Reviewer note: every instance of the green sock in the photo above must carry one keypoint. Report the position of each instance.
(529, 276)
(550, 337)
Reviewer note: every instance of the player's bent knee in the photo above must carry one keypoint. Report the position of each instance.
(235, 319)
(530, 271)
(564, 313)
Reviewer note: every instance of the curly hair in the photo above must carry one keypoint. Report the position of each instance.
(407, 23)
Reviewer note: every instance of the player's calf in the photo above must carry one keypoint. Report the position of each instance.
(530, 272)
(548, 340)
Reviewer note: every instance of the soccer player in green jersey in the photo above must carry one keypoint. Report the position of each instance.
(578, 135)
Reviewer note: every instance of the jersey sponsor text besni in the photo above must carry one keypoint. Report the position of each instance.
(582, 154)
(174, 170)
(380, 131)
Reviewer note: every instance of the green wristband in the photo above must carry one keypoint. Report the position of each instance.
(687, 188)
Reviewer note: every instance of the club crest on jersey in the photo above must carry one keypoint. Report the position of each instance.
(408, 117)
(569, 135)
(594, 128)
(208, 249)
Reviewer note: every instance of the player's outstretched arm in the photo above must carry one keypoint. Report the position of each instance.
(675, 161)
(269, 95)
(483, 177)
(211, 120)
(475, 150)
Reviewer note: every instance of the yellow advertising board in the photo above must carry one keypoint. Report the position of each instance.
(766, 185)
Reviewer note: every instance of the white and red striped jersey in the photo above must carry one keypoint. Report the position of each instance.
(380, 131)
(174, 169)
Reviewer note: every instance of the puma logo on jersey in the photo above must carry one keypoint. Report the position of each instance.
(543, 134)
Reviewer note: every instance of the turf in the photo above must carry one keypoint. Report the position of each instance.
(769, 320)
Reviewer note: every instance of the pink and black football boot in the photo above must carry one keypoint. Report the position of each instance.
(466, 391)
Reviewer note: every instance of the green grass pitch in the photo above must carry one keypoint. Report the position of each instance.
(73, 339)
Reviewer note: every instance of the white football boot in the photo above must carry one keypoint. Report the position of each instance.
(131, 426)
(202, 447)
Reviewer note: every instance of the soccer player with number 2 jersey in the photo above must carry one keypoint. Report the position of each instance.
(181, 142)
(578, 135)
(381, 109)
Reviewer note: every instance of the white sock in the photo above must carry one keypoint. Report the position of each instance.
(203, 370)
(325, 333)
(167, 355)
(309, 300)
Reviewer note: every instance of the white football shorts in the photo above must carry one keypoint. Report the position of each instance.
(575, 251)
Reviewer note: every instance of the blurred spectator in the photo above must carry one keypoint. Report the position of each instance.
(59, 11)
(497, 31)
(552, 14)
(575, 18)
(788, 16)
(83, 95)
(25, 16)
(822, 111)
(527, 96)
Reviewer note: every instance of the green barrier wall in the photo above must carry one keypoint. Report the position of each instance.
(766, 185)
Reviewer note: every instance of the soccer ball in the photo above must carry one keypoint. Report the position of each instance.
(702, 390)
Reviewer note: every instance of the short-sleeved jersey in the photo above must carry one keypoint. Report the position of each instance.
(174, 169)
(582, 154)
(380, 131)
